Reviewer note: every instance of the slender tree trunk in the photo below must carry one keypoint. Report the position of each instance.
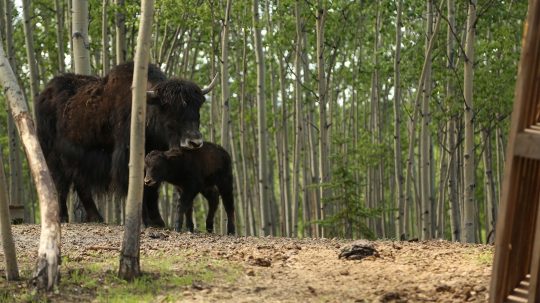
(425, 137)
(69, 24)
(169, 61)
(3, 20)
(213, 55)
(15, 166)
(80, 37)
(248, 208)
(105, 37)
(160, 51)
(469, 222)
(121, 45)
(299, 132)
(443, 179)
(455, 217)
(225, 112)
(277, 215)
(324, 164)
(30, 54)
(10, 256)
(412, 129)
(398, 169)
(264, 186)
(374, 182)
(59, 9)
(129, 255)
(310, 174)
(241, 218)
(48, 259)
(285, 167)
(491, 197)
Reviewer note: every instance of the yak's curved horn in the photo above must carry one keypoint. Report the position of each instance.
(208, 88)
(151, 94)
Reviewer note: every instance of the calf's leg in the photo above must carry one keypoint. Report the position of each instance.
(212, 197)
(185, 208)
(226, 192)
(151, 216)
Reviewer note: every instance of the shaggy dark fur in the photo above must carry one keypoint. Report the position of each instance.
(83, 126)
(206, 170)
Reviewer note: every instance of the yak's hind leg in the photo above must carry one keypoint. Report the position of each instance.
(212, 197)
(85, 195)
(63, 192)
(61, 182)
(151, 216)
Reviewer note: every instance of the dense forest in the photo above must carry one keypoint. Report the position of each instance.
(355, 119)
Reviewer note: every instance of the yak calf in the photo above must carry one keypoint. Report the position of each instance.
(206, 170)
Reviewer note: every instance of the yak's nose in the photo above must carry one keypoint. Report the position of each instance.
(193, 140)
(198, 143)
(148, 181)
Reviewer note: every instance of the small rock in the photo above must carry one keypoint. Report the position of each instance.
(344, 272)
(157, 235)
(250, 273)
(479, 288)
(312, 290)
(263, 262)
(442, 288)
(358, 250)
(390, 296)
(198, 285)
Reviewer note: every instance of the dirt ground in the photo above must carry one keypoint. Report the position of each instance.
(272, 269)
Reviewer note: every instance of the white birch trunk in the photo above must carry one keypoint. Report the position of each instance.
(121, 44)
(401, 233)
(10, 256)
(48, 259)
(81, 54)
(298, 135)
(105, 38)
(261, 124)
(455, 213)
(425, 158)
(469, 221)
(60, 35)
(129, 257)
(324, 164)
(225, 95)
(30, 55)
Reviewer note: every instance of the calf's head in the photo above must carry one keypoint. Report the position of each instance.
(155, 167)
(176, 118)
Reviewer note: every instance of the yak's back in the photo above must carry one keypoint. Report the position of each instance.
(121, 76)
(210, 158)
(52, 100)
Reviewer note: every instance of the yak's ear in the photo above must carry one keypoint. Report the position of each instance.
(152, 97)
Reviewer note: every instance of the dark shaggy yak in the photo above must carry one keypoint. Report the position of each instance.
(83, 126)
(206, 170)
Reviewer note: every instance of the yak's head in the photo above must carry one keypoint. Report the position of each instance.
(175, 117)
(155, 167)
